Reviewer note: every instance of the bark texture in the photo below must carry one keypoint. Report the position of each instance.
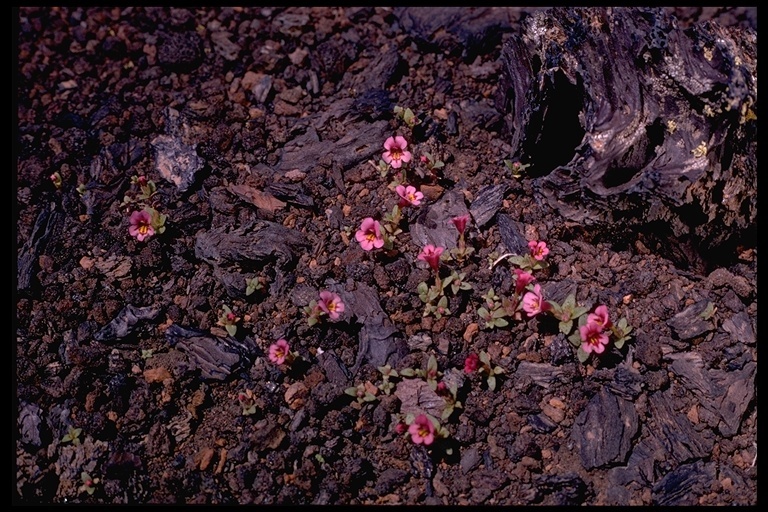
(628, 118)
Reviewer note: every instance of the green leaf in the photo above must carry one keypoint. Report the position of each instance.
(351, 391)
(484, 313)
(582, 355)
(578, 312)
(407, 372)
(497, 370)
(708, 312)
(620, 342)
(575, 339)
(569, 302)
(231, 329)
(498, 313)
(500, 322)
(565, 327)
(491, 382)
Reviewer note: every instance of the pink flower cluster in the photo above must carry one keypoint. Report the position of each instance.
(471, 363)
(395, 154)
(279, 351)
(369, 234)
(534, 303)
(422, 430)
(539, 250)
(594, 337)
(141, 225)
(408, 195)
(431, 255)
(330, 304)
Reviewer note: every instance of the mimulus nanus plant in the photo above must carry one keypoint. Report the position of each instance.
(396, 154)
(280, 352)
(533, 302)
(431, 254)
(141, 225)
(539, 250)
(330, 304)
(461, 251)
(600, 317)
(593, 338)
(369, 234)
(409, 195)
(422, 430)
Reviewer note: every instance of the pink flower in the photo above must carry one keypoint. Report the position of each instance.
(409, 195)
(141, 226)
(431, 255)
(533, 303)
(538, 249)
(401, 428)
(279, 351)
(395, 153)
(523, 279)
(330, 304)
(369, 234)
(461, 223)
(422, 430)
(471, 363)
(600, 317)
(593, 338)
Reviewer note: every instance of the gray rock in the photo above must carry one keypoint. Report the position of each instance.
(604, 430)
(215, 357)
(487, 202)
(180, 51)
(29, 423)
(684, 485)
(433, 224)
(739, 326)
(128, 321)
(470, 459)
(690, 323)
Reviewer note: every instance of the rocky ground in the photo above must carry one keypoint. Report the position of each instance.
(263, 129)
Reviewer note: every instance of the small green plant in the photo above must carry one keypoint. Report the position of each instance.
(457, 282)
(72, 435)
(481, 363)
(492, 313)
(147, 353)
(363, 392)
(450, 395)
(56, 179)
(407, 116)
(147, 189)
(89, 483)
(387, 372)
(567, 313)
(247, 401)
(228, 320)
(516, 167)
(253, 284)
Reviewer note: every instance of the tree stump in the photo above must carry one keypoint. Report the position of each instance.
(630, 120)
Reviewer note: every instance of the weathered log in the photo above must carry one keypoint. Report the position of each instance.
(631, 120)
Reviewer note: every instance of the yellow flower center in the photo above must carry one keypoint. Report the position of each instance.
(396, 153)
(143, 229)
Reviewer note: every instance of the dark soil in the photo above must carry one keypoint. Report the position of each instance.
(259, 127)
